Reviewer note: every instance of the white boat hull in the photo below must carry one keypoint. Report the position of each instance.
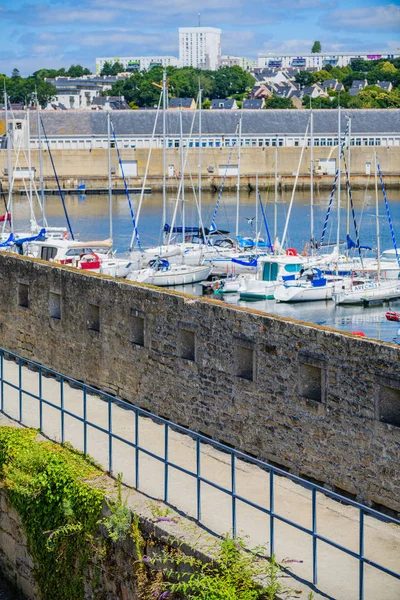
(175, 275)
(369, 293)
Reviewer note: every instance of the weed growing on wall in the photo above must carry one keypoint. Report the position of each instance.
(48, 486)
(230, 576)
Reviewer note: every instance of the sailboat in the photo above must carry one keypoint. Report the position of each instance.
(379, 291)
(159, 271)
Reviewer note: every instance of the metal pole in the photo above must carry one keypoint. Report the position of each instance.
(238, 177)
(312, 181)
(110, 202)
(348, 184)
(41, 184)
(338, 181)
(199, 166)
(28, 125)
(378, 244)
(182, 182)
(276, 195)
(257, 195)
(9, 165)
(164, 88)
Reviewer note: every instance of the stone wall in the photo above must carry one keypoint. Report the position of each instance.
(323, 404)
(92, 166)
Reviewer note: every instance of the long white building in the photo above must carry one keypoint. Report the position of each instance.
(138, 63)
(80, 129)
(200, 47)
(318, 61)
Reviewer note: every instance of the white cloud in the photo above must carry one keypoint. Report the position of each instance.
(372, 18)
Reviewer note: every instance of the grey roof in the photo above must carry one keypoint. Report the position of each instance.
(309, 89)
(220, 103)
(385, 85)
(255, 104)
(359, 83)
(177, 102)
(138, 123)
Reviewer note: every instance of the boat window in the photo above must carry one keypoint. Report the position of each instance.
(293, 268)
(270, 272)
(48, 253)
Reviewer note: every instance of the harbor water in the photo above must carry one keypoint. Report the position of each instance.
(89, 217)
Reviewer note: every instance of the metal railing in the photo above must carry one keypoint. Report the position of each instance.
(196, 474)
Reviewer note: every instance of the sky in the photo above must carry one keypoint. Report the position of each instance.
(58, 33)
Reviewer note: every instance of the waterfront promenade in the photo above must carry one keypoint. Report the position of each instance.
(338, 574)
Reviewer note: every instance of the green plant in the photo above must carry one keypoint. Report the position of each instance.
(231, 575)
(48, 485)
(158, 510)
(118, 523)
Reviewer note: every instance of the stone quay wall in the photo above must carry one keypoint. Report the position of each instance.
(324, 405)
(91, 165)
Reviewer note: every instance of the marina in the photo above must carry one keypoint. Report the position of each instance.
(90, 216)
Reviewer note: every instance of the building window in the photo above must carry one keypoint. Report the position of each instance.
(244, 361)
(371, 142)
(378, 142)
(365, 141)
(389, 405)
(358, 141)
(23, 295)
(93, 320)
(187, 344)
(323, 142)
(311, 382)
(55, 305)
(137, 334)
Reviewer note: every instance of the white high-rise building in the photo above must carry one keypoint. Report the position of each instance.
(200, 47)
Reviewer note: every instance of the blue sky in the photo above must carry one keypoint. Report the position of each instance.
(55, 33)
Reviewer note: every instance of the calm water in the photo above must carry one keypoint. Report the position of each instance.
(89, 220)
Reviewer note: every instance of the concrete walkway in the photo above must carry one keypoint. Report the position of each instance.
(337, 573)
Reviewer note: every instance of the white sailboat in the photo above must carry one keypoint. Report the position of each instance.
(378, 291)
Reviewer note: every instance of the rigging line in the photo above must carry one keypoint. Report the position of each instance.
(181, 178)
(388, 215)
(30, 175)
(328, 213)
(57, 180)
(265, 221)
(135, 229)
(353, 213)
(146, 172)
(213, 226)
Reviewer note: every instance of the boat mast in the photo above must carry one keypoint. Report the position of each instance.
(238, 177)
(9, 165)
(164, 128)
(276, 195)
(348, 185)
(378, 243)
(41, 184)
(312, 180)
(338, 182)
(110, 202)
(256, 240)
(199, 165)
(28, 125)
(182, 184)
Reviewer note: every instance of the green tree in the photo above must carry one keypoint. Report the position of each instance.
(112, 68)
(231, 80)
(320, 76)
(328, 67)
(316, 47)
(276, 102)
(304, 78)
(77, 71)
(15, 74)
